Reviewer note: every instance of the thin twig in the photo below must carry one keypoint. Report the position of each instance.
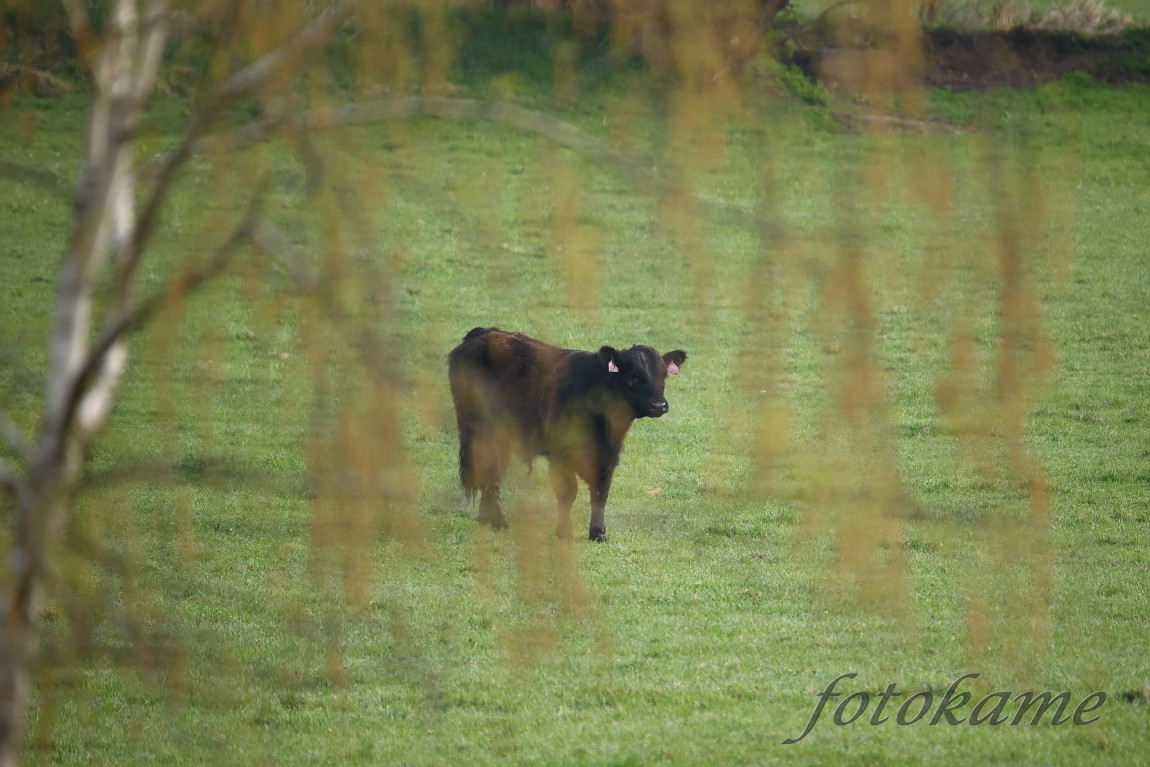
(165, 176)
(366, 345)
(155, 35)
(14, 436)
(9, 476)
(235, 87)
(77, 18)
(641, 172)
(271, 241)
(248, 78)
(532, 121)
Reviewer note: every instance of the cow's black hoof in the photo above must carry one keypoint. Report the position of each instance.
(598, 534)
(495, 523)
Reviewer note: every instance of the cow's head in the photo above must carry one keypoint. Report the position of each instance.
(638, 374)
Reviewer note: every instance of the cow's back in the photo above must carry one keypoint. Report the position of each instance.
(505, 380)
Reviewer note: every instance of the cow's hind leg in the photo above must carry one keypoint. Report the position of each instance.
(490, 509)
(565, 486)
(493, 459)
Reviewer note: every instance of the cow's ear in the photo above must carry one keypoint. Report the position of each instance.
(674, 360)
(610, 356)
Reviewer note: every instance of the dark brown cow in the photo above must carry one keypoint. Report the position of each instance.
(518, 396)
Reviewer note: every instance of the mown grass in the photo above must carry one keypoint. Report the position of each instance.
(215, 629)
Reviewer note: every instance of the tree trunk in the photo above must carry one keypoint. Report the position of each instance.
(82, 378)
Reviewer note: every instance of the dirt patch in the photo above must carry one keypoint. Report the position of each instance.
(965, 61)
(1022, 57)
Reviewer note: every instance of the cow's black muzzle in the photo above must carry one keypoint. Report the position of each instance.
(657, 408)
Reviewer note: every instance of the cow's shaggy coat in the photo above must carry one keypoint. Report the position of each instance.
(517, 396)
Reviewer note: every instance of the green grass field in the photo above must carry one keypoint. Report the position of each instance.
(218, 605)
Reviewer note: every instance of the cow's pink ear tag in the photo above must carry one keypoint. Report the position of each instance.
(672, 369)
(612, 367)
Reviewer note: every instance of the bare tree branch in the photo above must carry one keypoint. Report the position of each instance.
(361, 338)
(108, 364)
(77, 18)
(271, 241)
(642, 173)
(84, 380)
(88, 380)
(105, 221)
(83, 376)
(96, 405)
(9, 476)
(133, 234)
(236, 86)
(552, 128)
(107, 186)
(155, 35)
(165, 174)
(102, 182)
(14, 436)
(250, 77)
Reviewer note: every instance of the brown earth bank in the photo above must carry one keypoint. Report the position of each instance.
(1020, 57)
(1028, 56)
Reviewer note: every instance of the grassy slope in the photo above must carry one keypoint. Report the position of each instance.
(706, 631)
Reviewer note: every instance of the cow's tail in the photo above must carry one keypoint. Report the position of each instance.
(466, 461)
(461, 376)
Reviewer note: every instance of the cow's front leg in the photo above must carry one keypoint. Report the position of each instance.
(600, 487)
(565, 486)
